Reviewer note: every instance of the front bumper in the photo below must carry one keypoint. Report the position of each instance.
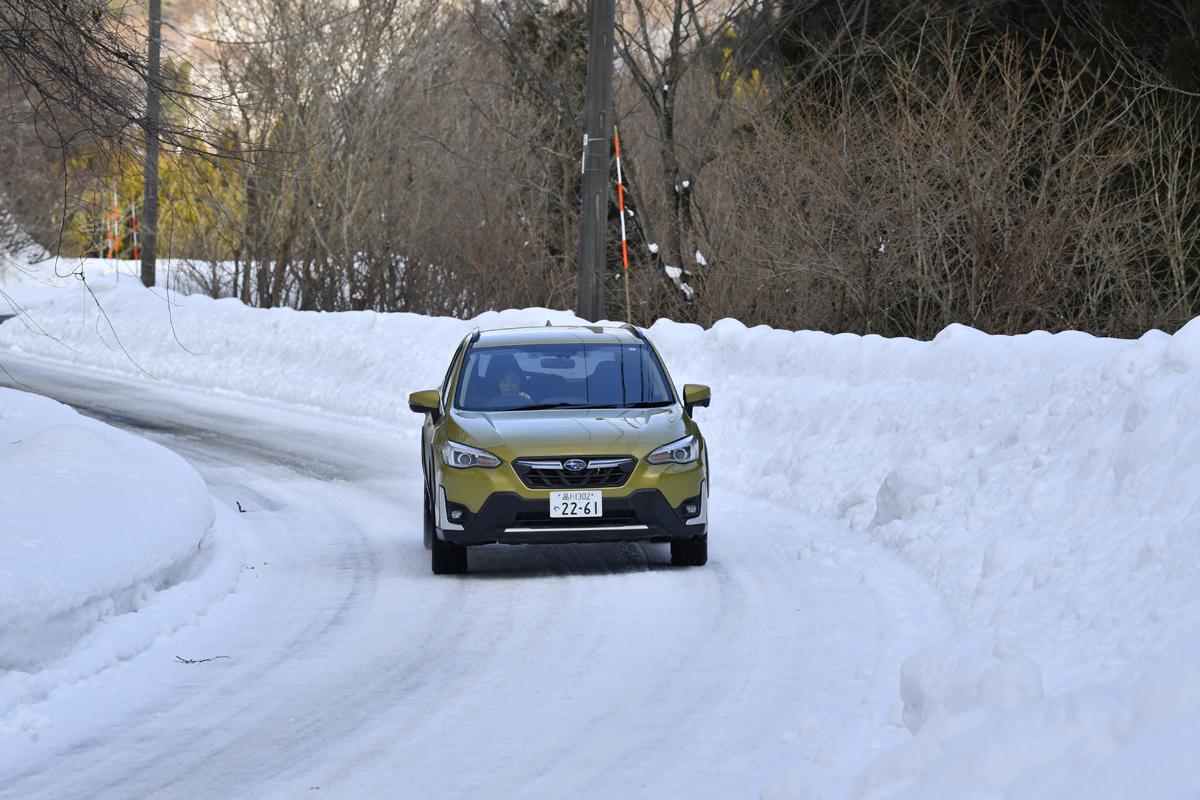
(643, 515)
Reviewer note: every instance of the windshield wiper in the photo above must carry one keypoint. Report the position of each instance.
(544, 406)
(649, 404)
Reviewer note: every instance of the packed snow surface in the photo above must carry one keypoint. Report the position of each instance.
(106, 541)
(1046, 489)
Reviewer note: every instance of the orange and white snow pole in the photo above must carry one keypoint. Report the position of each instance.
(621, 207)
(116, 226)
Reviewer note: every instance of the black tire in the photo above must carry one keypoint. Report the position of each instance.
(429, 523)
(690, 552)
(448, 558)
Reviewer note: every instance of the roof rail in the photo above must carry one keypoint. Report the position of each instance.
(475, 336)
(636, 331)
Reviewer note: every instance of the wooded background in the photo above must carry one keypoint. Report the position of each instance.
(876, 166)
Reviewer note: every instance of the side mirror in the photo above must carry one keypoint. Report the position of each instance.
(426, 402)
(695, 394)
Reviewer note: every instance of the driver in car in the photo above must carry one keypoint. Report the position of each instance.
(509, 387)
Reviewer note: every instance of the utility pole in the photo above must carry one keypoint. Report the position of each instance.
(150, 172)
(593, 215)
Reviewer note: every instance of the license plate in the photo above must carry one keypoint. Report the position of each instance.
(575, 504)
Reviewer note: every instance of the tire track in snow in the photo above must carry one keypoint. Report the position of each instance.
(595, 670)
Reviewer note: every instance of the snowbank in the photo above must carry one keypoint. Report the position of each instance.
(351, 363)
(1047, 486)
(95, 524)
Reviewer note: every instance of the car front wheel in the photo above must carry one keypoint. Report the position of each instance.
(690, 552)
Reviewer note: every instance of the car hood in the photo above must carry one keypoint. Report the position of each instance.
(563, 432)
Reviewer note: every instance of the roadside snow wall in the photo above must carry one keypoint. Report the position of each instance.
(1047, 486)
(94, 524)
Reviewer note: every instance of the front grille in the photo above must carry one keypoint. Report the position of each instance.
(600, 472)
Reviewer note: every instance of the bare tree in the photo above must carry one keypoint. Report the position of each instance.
(1003, 189)
(867, 165)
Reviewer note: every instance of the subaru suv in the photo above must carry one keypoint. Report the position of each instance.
(561, 434)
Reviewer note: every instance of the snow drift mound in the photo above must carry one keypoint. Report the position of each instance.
(94, 524)
(1046, 486)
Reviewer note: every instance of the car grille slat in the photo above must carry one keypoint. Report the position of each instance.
(527, 519)
(536, 473)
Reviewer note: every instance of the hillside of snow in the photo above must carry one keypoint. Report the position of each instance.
(106, 542)
(1047, 487)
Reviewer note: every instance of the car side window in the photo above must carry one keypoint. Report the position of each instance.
(651, 379)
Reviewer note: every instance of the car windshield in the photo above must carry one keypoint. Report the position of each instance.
(536, 376)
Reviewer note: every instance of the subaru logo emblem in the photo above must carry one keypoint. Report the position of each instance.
(574, 464)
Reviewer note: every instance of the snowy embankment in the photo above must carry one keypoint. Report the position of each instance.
(95, 525)
(1047, 487)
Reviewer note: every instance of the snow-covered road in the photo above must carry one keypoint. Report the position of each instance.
(351, 671)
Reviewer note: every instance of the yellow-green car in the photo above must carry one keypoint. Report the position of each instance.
(561, 434)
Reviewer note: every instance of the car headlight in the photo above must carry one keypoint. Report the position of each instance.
(463, 457)
(683, 451)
